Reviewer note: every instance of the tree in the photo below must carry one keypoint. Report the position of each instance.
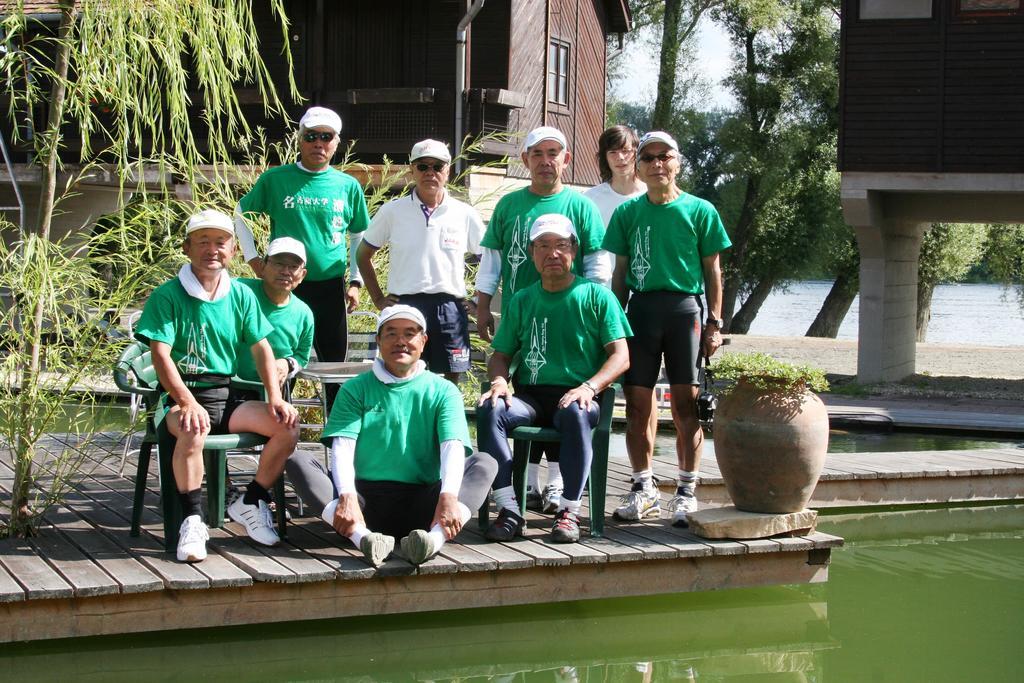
(1005, 256)
(948, 251)
(128, 80)
(786, 85)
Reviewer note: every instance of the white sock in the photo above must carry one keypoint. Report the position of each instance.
(505, 497)
(555, 475)
(687, 483)
(645, 478)
(358, 533)
(533, 476)
(465, 514)
(436, 534)
(572, 506)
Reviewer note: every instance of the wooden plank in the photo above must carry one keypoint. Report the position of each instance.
(793, 544)
(652, 550)
(303, 567)
(661, 531)
(10, 590)
(336, 552)
(32, 572)
(129, 569)
(760, 545)
(506, 557)
(468, 559)
(718, 546)
(247, 558)
(615, 552)
(75, 567)
(116, 495)
(823, 540)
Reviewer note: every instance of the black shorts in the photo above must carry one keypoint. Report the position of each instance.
(664, 324)
(395, 508)
(220, 403)
(447, 348)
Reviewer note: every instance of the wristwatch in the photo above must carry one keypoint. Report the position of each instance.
(717, 322)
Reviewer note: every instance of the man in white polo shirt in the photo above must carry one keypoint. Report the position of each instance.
(429, 233)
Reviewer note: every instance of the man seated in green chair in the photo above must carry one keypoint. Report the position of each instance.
(194, 325)
(284, 267)
(570, 334)
(401, 461)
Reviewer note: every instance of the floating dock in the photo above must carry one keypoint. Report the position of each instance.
(84, 575)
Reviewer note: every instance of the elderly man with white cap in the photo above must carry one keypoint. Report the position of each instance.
(325, 210)
(666, 244)
(429, 233)
(570, 334)
(195, 325)
(284, 266)
(506, 260)
(399, 444)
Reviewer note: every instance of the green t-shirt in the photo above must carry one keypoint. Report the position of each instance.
(205, 336)
(317, 209)
(293, 330)
(561, 336)
(509, 232)
(666, 242)
(398, 427)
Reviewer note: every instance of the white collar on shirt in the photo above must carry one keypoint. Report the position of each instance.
(195, 289)
(386, 377)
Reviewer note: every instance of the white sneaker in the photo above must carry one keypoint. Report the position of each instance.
(552, 497)
(257, 520)
(192, 538)
(638, 504)
(681, 506)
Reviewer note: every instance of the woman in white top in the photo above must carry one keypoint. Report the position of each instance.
(616, 156)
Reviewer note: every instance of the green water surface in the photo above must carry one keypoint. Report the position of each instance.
(930, 595)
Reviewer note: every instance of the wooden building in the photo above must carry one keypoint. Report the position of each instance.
(932, 130)
(390, 70)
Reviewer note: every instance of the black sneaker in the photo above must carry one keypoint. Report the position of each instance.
(507, 526)
(566, 528)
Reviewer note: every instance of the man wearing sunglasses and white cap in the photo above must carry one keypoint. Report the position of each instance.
(325, 210)
(429, 233)
(666, 244)
(401, 462)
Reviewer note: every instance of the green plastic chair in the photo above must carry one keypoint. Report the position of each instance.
(597, 482)
(134, 374)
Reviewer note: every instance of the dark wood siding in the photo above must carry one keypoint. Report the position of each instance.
(936, 95)
(581, 25)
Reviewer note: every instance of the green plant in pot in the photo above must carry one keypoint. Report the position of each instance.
(771, 431)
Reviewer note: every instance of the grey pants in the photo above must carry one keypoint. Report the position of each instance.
(393, 508)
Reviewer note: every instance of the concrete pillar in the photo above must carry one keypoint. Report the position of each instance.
(889, 252)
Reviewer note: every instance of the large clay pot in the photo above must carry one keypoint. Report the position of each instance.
(770, 446)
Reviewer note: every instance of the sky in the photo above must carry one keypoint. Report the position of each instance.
(713, 53)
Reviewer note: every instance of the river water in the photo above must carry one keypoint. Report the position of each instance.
(987, 315)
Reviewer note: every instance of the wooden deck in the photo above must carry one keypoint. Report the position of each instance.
(84, 575)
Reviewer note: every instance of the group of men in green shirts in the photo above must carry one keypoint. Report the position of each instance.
(397, 435)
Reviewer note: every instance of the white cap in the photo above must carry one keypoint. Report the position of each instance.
(434, 149)
(403, 312)
(287, 245)
(543, 133)
(553, 224)
(210, 218)
(657, 136)
(317, 117)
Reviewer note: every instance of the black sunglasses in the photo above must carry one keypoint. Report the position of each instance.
(663, 157)
(437, 168)
(314, 136)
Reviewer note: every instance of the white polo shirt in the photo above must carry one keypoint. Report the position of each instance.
(607, 199)
(428, 254)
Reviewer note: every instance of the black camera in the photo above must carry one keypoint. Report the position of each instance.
(706, 404)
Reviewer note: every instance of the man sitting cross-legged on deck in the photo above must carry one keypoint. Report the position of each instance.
(399, 441)
(194, 325)
(571, 334)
